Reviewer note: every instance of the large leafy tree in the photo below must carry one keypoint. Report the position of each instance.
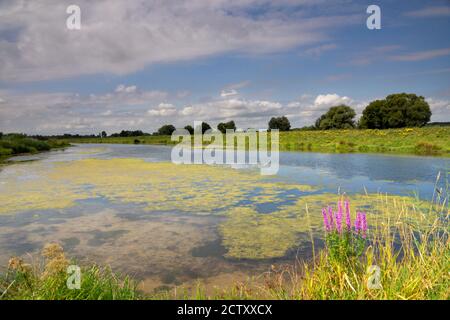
(166, 130)
(339, 117)
(223, 126)
(396, 111)
(280, 123)
(205, 127)
(190, 129)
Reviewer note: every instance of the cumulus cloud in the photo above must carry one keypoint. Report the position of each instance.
(55, 113)
(440, 109)
(329, 100)
(163, 110)
(121, 37)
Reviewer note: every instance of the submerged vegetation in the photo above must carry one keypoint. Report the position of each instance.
(15, 144)
(406, 257)
(433, 141)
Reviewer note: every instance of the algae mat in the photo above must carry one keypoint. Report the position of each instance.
(263, 218)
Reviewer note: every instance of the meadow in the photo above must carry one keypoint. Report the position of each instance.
(432, 141)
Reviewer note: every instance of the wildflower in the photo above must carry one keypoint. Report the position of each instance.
(339, 217)
(348, 220)
(363, 224)
(358, 222)
(57, 262)
(17, 264)
(330, 216)
(326, 223)
(52, 250)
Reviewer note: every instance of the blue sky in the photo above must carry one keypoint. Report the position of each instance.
(138, 65)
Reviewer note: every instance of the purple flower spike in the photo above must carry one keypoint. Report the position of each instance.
(330, 216)
(339, 217)
(358, 222)
(348, 220)
(364, 224)
(326, 223)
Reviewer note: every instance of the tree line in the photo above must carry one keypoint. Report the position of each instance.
(395, 111)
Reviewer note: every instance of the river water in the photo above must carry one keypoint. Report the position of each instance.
(168, 225)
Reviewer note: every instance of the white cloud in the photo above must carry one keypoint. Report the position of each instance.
(330, 100)
(125, 89)
(440, 109)
(163, 110)
(228, 93)
(121, 37)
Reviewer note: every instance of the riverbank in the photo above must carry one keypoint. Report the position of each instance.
(405, 256)
(14, 145)
(430, 141)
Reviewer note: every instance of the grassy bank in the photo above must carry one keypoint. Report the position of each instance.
(412, 252)
(420, 141)
(14, 144)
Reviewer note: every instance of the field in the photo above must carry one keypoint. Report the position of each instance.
(420, 141)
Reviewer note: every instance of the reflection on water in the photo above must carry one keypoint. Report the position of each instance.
(128, 207)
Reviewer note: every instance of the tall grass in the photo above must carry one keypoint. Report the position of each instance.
(46, 279)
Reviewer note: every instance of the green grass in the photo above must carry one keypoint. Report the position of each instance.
(11, 145)
(434, 141)
(412, 252)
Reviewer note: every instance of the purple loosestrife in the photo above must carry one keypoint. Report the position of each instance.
(358, 222)
(363, 224)
(330, 216)
(339, 217)
(348, 220)
(326, 223)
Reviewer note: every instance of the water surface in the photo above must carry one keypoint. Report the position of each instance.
(127, 206)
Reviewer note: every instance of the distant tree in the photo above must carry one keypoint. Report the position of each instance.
(1, 135)
(396, 111)
(127, 133)
(223, 126)
(104, 134)
(339, 117)
(280, 123)
(190, 129)
(205, 127)
(166, 130)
